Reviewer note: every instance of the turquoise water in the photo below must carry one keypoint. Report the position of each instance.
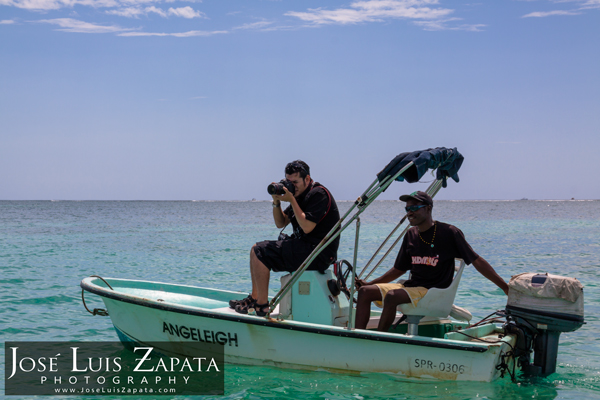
(46, 248)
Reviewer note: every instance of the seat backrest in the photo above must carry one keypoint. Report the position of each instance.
(437, 302)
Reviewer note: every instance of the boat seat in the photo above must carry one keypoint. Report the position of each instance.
(310, 300)
(436, 303)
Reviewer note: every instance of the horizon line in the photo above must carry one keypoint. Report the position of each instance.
(265, 201)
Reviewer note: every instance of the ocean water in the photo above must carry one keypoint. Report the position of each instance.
(46, 248)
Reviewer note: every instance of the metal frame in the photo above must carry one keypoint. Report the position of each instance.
(355, 262)
(372, 192)
(432, 190)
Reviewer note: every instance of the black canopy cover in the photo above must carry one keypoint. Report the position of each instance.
(446, 161)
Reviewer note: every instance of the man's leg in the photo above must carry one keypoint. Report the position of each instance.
(366, 295)
(260, 279)
(392, 299)
(252, 255)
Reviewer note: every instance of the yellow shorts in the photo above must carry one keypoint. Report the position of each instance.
(414, 293)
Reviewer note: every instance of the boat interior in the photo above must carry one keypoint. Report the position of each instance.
(310, 301)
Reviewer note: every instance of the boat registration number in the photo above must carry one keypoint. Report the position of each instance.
(440, 366)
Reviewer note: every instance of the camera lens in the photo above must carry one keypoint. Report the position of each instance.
(275, 188)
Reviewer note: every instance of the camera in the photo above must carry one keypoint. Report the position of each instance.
(277, 188)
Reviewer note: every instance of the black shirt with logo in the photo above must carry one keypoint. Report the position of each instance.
(433, 266)
(318, 206)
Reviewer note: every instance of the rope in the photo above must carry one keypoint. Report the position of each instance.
(99, 277)
(97, 311)
(503, 367)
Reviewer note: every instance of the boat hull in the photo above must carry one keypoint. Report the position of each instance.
(290, 344)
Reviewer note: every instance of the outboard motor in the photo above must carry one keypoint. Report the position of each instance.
(540, 307)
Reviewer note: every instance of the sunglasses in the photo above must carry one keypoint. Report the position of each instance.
(414, 208)
(295, 167)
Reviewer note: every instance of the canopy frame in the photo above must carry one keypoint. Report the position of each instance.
(445, 161)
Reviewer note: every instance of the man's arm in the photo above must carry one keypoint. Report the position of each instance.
(280, 218)
(399, 268)
(486, 270)
(306, 225)
(389, 276)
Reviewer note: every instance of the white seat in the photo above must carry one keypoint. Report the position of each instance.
(436, 303)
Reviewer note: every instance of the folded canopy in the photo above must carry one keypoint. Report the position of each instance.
(446, 161)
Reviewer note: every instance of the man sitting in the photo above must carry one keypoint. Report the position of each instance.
(313, 213)
(428, 251)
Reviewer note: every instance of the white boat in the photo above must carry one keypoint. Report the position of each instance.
(144, 312)
(310, 325)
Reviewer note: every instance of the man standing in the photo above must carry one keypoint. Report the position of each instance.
(428, 251)
(313, 213)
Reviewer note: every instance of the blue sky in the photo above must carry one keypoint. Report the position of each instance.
(168, 100)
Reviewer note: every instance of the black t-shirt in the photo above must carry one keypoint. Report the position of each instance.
(318, 206)
(433, 266)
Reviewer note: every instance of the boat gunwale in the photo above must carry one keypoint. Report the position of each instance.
(86, 284)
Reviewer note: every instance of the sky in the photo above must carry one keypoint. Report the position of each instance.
(208, 100)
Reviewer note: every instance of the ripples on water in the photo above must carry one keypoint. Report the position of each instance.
(46, 248)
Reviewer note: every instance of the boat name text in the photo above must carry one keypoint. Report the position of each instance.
(199, 335)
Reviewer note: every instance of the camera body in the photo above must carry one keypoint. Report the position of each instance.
(277, 188)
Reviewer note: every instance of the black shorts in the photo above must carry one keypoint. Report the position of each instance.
(288, 255)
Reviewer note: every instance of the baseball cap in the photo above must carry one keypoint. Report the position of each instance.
(419, 196)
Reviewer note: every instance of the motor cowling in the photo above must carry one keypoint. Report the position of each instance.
(540, 307)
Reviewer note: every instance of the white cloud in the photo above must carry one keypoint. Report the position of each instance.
(374, 11)
(43, 5)
(591, 4)
(442, 25)
(7, 22)
(156, 10)
(180, 34)
(583, 6)
(135, 12)
(469, 27)
(186, 12)
(129, 12)
(541, 14)
(254, 25)
(136, 3)
(73, 25)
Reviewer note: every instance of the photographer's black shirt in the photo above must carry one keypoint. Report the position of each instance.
(318, 206)
(433, 266)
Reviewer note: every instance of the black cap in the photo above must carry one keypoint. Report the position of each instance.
(419, 196)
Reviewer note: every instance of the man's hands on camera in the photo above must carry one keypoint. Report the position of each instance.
(287, 196)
